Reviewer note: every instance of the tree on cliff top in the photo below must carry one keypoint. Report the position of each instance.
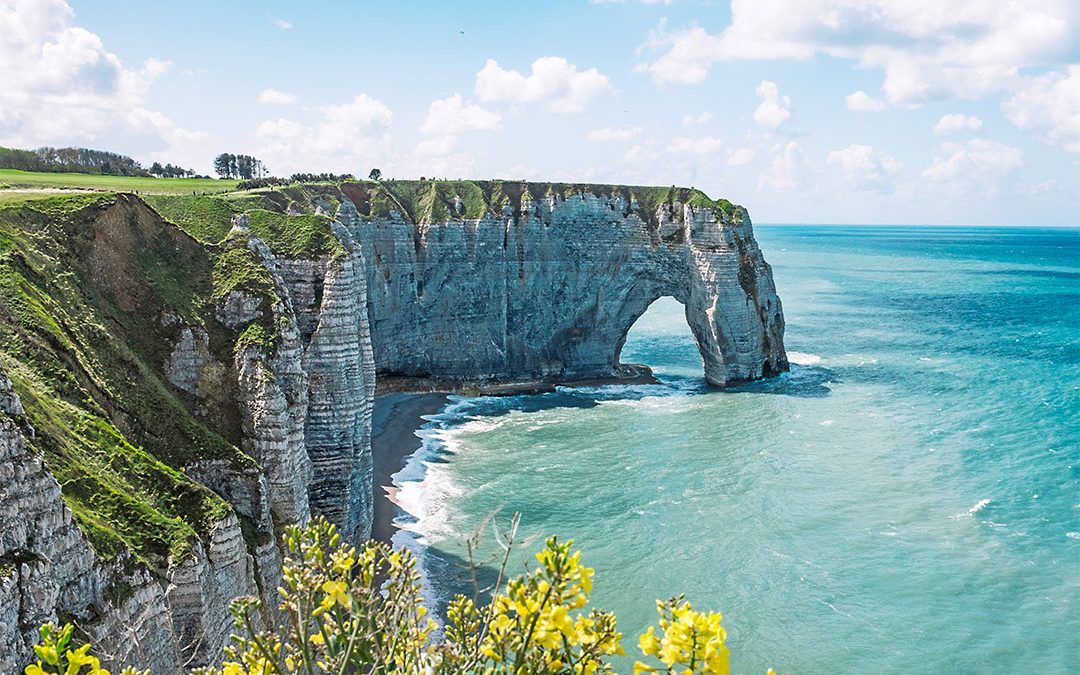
(243, 167)
(375, 174)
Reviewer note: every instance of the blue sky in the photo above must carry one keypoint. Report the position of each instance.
(843, 111)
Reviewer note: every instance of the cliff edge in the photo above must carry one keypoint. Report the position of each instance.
(182, 376)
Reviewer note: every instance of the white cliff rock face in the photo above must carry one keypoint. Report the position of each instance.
(273, 398)
(202, 585)
(341, 372)
(189, 358)
(552, 292)
(47, 567)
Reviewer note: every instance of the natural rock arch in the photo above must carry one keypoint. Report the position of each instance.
(548, 289)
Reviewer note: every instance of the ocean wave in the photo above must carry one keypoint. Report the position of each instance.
(803, 359)
(970, 513)
(616, 391)
(427, 504)
(979, 507)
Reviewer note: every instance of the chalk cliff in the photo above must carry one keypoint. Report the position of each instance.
(188, 375)
(546, 285)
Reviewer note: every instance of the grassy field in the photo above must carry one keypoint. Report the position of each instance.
(12, 178)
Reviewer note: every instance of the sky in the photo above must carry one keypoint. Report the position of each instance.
(804, 111)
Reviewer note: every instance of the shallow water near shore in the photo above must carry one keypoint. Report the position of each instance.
(907, 498)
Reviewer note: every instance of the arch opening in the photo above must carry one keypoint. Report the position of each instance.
(662, 339)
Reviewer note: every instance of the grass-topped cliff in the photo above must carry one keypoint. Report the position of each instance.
(285, 216)
(96, 284)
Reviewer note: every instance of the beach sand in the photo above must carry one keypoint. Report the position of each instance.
(394, 422)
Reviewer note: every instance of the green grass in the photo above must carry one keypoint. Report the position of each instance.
(207, 218)
(52, 203)
(139, 184)
(299, 236)
(86, 355)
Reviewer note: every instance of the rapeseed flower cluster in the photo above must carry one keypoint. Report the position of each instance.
(538, 625)
(345, 609)
(55, 655)
(689, 641)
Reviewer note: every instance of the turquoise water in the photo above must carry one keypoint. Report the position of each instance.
(907, 498)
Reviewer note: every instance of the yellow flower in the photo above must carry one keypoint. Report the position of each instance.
(78, 658)
(640, 667)
(489, 651)
(648, 643)
(33, 669)
(47, 653)
(232, 668)
(337, 591)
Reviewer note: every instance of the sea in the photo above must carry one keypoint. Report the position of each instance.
(905, 499)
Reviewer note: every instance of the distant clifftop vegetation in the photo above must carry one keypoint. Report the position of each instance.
(85, 160)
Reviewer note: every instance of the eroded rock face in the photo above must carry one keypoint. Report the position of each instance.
(340, 367)
(551, 292)
(47, 567)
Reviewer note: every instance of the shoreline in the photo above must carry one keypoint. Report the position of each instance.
(401, 403)
(395, 419)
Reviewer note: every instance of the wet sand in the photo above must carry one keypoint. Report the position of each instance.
(394, 422)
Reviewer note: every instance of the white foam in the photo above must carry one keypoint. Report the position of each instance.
(803, 359)
(828, 423)
(428, 502)
(978, 507)
(477, 425)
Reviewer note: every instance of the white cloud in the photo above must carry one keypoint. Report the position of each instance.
(954, 122)
(785, 170)
(447, 119)
(928, 49)
(283, 24)
(640, 153)
(451, 116)
(1049, 105)
(860, 101)
(703, 118)
(686, 57)
(271, 96)
(439, 146)
(774, 108)
(553, 80)
(740, 156)
(61, 86)
(975, 165)
(866, 168)
(613, 133)
(706, 145)
(346, 138)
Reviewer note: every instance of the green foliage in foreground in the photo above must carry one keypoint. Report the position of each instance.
(360, 610)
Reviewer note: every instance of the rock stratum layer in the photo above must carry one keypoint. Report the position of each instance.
(182, 377)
